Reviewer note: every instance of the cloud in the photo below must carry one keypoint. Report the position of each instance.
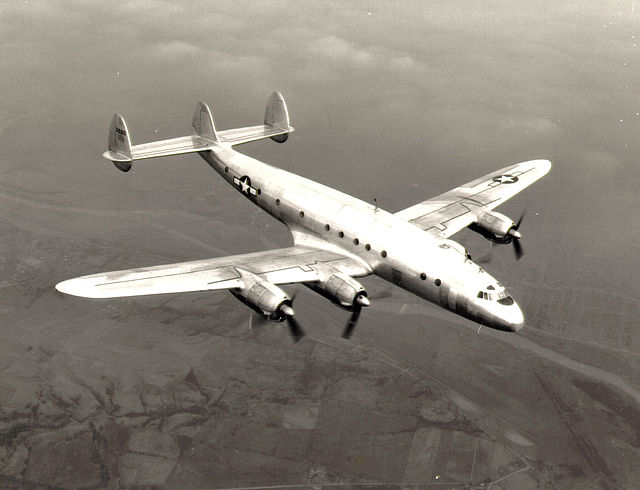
(338, 51)
(172, 50)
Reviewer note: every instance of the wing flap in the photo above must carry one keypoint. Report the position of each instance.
(279, 266)
(448, 213)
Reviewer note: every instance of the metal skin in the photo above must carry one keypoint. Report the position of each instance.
(399, 251)
(337, 237)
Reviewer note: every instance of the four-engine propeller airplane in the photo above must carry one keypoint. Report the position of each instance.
(336, 237)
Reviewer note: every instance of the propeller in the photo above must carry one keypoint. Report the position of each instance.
(294, 327)
(360, 301)
(516, 236)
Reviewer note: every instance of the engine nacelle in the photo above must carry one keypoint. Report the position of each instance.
(494, 226)
(341, 289)
(263, 297)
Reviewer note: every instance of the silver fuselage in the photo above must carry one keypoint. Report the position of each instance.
(391, 248)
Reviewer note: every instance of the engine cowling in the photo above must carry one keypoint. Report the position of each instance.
(263, 297)
(341, 289)
(496, 227)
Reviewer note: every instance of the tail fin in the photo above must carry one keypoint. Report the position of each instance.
(119, 144)
(123, 154)
(202, 122)
(277, 115)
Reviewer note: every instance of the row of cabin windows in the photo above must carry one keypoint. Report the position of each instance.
(356, 241)
(367, 247)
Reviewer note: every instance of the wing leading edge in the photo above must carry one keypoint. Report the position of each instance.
(452, 211)
(278, 266)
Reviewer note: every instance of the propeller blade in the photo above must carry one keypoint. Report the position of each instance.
(351, 324)
(517, 248)
(294, 327)
(517, 225)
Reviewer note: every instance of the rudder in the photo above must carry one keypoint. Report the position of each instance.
(202, 122)
(277, 115)
(119, 144)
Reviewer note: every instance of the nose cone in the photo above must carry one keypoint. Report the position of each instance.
(511, 318)
(508, 318)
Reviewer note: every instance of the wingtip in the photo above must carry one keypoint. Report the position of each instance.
(78, 287)
(65, 287)
(544, 165)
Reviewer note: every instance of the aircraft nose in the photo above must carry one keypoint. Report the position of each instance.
(506, 316)
(513, 318)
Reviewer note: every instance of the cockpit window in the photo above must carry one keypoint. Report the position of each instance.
(506, 301)
(501, 296)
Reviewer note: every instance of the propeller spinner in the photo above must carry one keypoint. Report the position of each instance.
(360, 301)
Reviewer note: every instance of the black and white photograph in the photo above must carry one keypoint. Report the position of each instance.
(307, 245)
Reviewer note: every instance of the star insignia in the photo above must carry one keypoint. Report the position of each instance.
(244, 185)
(506, 179)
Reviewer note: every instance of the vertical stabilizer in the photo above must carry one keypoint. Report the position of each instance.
(276, 115)
(202, 122)
(119, 144)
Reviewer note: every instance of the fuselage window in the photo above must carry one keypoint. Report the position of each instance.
(226, 170)
(486, 295)
(277, 202)
(384, 254)
(356, 241)
(423, 276)
(480, 294)
(438, 282)
(327, 227)
(302, 214)
(367, 246)
(341, 234)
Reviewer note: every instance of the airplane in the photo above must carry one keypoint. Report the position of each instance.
(337, 238)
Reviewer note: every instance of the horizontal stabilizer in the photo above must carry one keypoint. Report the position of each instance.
(122, 154)
(120, 151)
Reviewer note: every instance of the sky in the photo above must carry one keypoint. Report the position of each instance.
(394, 100)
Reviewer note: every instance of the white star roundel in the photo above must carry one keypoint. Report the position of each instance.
(244, 185)
(506, 179)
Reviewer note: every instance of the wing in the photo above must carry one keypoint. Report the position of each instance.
(279, 266)
(452, 211)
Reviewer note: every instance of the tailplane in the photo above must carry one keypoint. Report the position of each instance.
(120, 151)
